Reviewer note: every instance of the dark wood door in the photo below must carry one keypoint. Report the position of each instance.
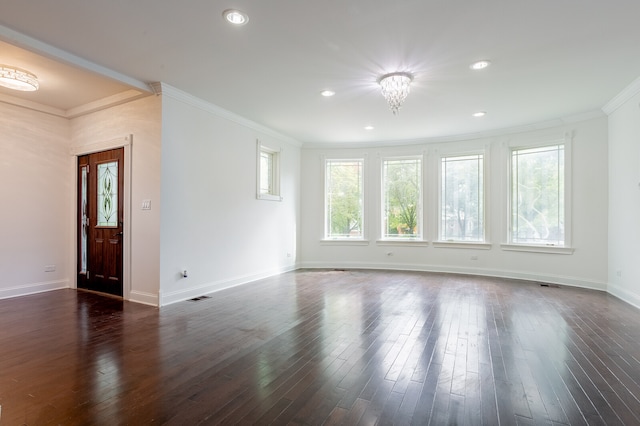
(100, 221)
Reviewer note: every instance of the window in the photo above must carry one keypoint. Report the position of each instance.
(537, 196)
(268, 173)
(344, 199)
(402, 198)
(462, 198)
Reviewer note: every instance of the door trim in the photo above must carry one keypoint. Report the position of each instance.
(76, 151)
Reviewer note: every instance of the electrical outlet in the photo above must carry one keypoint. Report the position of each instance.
(619, 273)
(50, 268)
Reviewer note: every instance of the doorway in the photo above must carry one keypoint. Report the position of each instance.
(100, 221)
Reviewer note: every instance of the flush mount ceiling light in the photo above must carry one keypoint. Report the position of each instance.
(327, 93)
(480, 65)
(235, 17)
(18, 79)
(479, 114)
(395, 88)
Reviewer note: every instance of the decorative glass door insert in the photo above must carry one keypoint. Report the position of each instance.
(84, 218)
(108, 194)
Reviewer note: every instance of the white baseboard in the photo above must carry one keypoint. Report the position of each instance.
(23, 290)
(212, 287)
(144, 298)
(519, 275)
(625, 295)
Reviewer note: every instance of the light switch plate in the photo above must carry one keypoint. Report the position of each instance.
(146, 204)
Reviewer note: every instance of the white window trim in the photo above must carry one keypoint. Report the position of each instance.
(277, 152)
(567, 248)
(419, 240)
(362, 240)
(484, 243)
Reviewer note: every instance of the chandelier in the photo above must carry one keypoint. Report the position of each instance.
(18, 79)
(395, 88)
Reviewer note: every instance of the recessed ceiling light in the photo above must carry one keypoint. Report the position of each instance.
(18, 79)
(369, 127)
(479, 114)
(480, 65)
(327, 93)
(236, 17)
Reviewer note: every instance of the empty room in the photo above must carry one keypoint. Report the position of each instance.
(348, 213)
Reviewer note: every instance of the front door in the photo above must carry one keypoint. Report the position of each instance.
(100, 215)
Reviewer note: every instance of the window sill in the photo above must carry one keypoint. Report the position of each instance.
(537, 248)
(402, 242)
(462, 245)
(269, 197)
(344, 242)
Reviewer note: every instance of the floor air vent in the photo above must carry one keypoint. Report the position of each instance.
(199, 298)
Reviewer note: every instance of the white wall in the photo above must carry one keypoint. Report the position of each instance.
(586, 267)
(624, 197)
(212, 223)
(141, 119)
(35, 192)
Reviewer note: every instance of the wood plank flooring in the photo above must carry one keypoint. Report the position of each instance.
(325, 347)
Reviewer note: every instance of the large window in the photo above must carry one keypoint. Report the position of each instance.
(462, 198)
(537, 196)
(344, 199)
(402, 198)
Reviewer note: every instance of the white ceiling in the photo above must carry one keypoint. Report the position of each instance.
(551, 59)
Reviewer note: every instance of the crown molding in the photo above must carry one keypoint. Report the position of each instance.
(179, 95)
(550, 124)
(100, 104)
(37, 46)
(622, 97)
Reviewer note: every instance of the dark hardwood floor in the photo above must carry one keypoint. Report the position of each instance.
(325, 347)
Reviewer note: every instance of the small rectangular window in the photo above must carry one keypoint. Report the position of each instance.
(462, 198)
(537, 195)
(344, 199)
(268, 173)
(402, 198)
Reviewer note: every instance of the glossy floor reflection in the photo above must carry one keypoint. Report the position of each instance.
(325, 347)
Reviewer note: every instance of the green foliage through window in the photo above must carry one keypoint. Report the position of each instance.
(344, 198)
(537, 195)
(462, 198)
(402, 207)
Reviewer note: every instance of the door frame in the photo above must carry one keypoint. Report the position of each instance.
(76, 151)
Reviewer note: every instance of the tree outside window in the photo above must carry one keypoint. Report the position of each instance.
(401, 195)
(462, 198)
(344, 199)
(537, 196)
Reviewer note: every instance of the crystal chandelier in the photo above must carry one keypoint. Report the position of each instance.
(17, 79)
(395, 88)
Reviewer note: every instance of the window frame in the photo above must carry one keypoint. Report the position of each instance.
(478, 244)
(275, 153)
(510, 245)
(420, 237)
(326, 237)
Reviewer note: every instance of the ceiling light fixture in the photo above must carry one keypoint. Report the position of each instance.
(236, 17)
(369, 127)
(18, 79)
(480, 65)
(395, 88)
(327, 93)
(479, 114)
